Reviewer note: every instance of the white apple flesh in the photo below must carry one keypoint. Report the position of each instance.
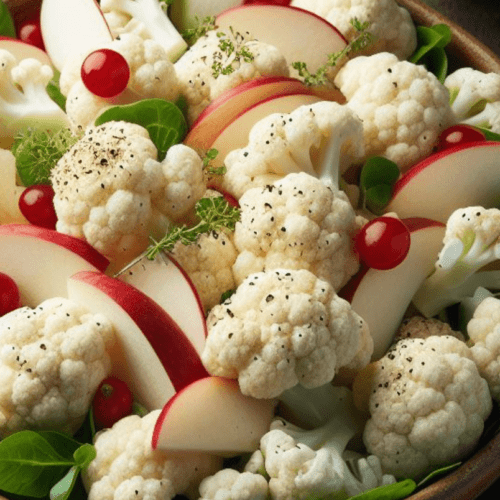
(457, 177)
(212, 415)
(153, 355)
(382, 297)
(41, 260)
(22, 50)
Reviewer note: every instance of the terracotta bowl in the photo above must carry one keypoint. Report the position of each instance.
(482, 469)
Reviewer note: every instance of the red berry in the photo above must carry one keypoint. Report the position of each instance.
(383, 243)
(9, 295)
(112, 401)
(457, 135)
(105, 73)
(30, 32)
(37, 205)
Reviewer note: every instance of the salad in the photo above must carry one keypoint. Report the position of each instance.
(236, 263)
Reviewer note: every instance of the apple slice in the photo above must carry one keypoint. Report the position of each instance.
(185, 14)
(164, 281)
(212, 415)
(457, 177)
(382, 297)
(72, 27)
(299, 34)
(22, 50)
(153, 356)
(40, 260)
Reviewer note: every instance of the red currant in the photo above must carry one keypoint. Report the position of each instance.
(457, 135)
(105, 73)
(9, 295)
(383, 243)
(231, 200)
(112, 401)
(37, 205)
(30, 32)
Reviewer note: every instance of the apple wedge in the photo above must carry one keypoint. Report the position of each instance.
(382, 297)
(22, 50)
(72, 27)
(457, 177)
(300, 35)
(212, 415)
(164, 281)
(153, 356)
(41, 260)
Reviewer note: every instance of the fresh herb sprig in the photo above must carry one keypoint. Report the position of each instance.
(361, 41)
(210, 155)
(192, 35)
(165, 4)
(214, 214)
(232, 51)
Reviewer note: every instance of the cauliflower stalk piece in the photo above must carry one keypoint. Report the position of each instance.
(322, 139)
(390, 23)
(403, 106)
(110, 190)
(220, 61)
(229, 484)
(147, 18)
(427, 404)
(10, 192)
(279, 329)
(470, 242)
(23, 97)
(126, 467)
(52, 359)
(297, 223)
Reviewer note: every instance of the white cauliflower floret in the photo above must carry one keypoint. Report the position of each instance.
(111, 190)
(279, 329)
(322, 139)
(229, 484)
(126, 466)
(195, 69)
(297, 223)
(152, 75)
(390, 23)
(427, 404)
(208, 263)
(403, 106)
(418, 327)
(52, 359)
(10, 192)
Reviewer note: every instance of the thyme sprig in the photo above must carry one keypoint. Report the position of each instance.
(232, 51)
(192, 35)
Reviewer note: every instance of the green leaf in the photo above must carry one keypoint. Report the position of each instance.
(377, 197)
(62, 489)
(29, 464)
(162, 119)
(7, 27)
(84, 455)
(62, 443)
(490, 136)
(438, 472)
(54, 91)
(394, 491)
(436, 61)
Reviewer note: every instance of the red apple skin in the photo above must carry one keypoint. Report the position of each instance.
(77, 246)
(24, 51)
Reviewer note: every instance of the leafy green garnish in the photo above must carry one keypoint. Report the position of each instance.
(226, 295)
(210, 155)
(213, 214)
(163, 120)
(489, 135)
(7, 27)
(430, 52)
(192, 35)
(361, 41)
(54, 91)
(37, 152)
(395, 491)
(165, 4)
(377, 179)
(438, 472)
(232, 52)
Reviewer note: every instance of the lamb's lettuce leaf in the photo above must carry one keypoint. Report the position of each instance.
(395, 491)
(7, 27)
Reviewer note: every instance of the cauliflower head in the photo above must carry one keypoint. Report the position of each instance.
(229, 484)
(279, 329)
(297, 223)
(420, 328)
(111, 190)
(284, 143)
(403, 106)
(127, 468)
(390, 23)
(52, 359)
(427, 404)
(207, 69)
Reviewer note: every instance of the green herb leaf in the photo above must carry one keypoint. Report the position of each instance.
(232, 52)
(438, 472)
(394, 491)
(54, 91)
(227, 294)
(192, 35)
(63, 444)
(490, 136)
(62, 489)
(84, 455)
(162, 119)
(7, 27)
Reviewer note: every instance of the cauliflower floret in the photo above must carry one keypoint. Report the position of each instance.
(297, 223)
(418, 327)
(152, 75)
(427, 404)
(248, 60)
(52, 359)
(322, 139)
(403, 106)
(10, 192)
(279, 329)
(126, 466)
(390, 23)
(111, 190)
(229, 484)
